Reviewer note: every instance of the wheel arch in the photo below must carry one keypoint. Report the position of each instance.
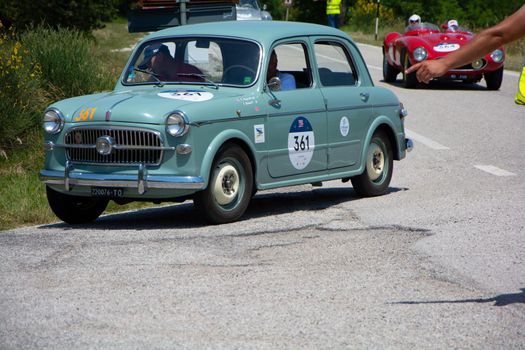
(384, 124)
(227, 136)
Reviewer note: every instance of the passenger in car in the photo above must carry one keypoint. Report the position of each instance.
(287, 80)
(158, 59)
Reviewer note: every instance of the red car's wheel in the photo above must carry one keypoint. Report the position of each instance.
(389, 73)
(494, 79)
(409, 80)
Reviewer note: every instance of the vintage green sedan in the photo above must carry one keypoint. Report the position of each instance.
(217, 111)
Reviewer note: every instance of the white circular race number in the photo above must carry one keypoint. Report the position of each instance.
(301, 143)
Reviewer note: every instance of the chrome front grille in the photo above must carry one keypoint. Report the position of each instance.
(131, 146)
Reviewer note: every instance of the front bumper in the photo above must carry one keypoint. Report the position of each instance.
(141, 182)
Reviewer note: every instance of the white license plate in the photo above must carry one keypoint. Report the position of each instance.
(107, 192)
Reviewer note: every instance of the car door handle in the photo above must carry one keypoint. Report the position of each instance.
(364, 96)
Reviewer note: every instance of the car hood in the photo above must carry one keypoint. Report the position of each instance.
(148, 107)
(433, 40)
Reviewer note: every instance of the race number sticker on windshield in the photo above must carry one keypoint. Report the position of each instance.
(301, 143)
(446, 47)
(187, 95)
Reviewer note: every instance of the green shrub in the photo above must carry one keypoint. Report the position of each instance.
(83, 15)
(21, 98)
(362, 15)
(68, 60)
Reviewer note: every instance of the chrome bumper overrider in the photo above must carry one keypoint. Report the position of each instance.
(142, 181)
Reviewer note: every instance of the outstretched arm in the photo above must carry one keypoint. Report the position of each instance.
(510, 29)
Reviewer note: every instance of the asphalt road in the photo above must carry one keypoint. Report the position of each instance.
(438, 262)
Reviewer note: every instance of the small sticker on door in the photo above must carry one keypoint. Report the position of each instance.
(344, 126)
(258, 133)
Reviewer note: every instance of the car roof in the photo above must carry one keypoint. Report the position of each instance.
(264, 32)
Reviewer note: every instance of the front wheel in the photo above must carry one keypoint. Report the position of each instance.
(494, 79)
(409, 80)
(375, 179)
(389, 73)
(230, 187)
(75, 209)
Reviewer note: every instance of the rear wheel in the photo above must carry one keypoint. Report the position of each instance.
(409, 80)
(375, 179)
(75, 209)
(389, 73)
(229, 189)
(494, 79)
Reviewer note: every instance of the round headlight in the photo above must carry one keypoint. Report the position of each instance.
(177, 124)
(420, 54)
(497, 55)
(53, 121)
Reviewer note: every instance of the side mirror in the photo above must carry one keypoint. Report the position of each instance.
(274, 84)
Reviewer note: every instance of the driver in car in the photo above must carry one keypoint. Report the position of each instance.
(158, 60)
(287, 80)
(413, 22)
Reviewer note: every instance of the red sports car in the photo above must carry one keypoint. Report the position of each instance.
(425, 41)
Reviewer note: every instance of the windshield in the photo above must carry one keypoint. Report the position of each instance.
(249, 3)
(214, 61)
(422, 27)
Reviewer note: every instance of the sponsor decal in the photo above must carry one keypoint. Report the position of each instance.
(301, 143)
(445, 47)
(258, 131)
(187, 95)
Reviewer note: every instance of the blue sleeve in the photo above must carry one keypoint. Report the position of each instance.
(287, 81)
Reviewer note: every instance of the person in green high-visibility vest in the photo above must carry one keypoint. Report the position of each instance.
(333, 9)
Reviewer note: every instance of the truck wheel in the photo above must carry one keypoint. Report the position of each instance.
(75, 209)
(230, 187)
(375, 179)
(494, 79)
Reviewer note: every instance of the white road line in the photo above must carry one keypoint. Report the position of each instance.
(374, 67)
(425, 140)
(491, 169)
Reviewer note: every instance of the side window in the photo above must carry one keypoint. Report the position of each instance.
(334, 64)
(293, 67)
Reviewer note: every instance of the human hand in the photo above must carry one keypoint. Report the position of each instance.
(428, 70)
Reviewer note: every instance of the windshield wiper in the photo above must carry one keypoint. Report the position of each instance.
(201, 76)
(154, 75)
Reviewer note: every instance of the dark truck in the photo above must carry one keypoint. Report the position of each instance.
(153, 15)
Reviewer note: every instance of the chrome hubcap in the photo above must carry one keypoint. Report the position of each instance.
(226, 184)
(375, 162)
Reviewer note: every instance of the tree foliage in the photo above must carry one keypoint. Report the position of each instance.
(83, 15)
(475, 14)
